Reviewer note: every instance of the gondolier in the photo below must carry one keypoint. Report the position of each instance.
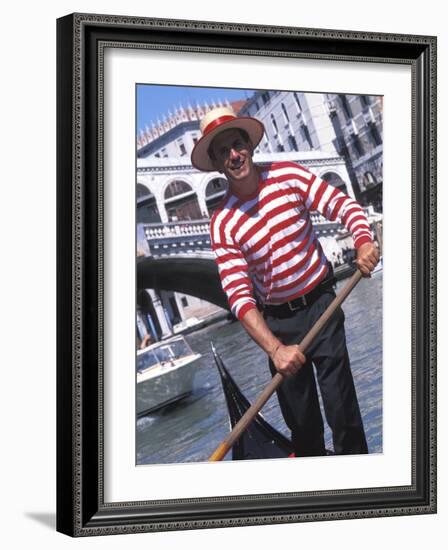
(269, 258)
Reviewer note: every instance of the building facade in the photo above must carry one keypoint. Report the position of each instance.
(358, 125)
(349, 126)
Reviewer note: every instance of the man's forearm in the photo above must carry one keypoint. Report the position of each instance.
(259, 331)
(286, 359)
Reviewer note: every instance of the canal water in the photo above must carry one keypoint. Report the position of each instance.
(192, 429)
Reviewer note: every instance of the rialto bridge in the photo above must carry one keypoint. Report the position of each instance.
(169, 190)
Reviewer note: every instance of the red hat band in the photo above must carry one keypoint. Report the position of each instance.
(217, 122)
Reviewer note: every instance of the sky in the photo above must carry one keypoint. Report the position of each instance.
(154, 101)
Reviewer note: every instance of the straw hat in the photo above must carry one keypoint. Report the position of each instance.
(215, 122)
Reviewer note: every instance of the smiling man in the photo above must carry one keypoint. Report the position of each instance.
(278, 280)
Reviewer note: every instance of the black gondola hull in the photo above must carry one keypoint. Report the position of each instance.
(260, 439)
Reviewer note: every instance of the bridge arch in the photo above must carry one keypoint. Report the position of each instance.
(181, 200)
(183, 273)
(334, 178)
(147, 207)
(214, 191)
(148, 182)
(142, 190)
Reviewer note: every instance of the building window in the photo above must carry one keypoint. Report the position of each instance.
(280, 148)
(346, 106)
(357, 145)
(292, 143)
(266, 144)
(330, 105)
(184, 301)
(376, 137)
(265, 97)
(182, 149)
(306, 135)
(274, 124)
(297, 100)
(365, 101)
(369, 179)
(285, 114)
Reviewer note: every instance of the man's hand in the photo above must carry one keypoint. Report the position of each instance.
(288, 359)
(367, 258)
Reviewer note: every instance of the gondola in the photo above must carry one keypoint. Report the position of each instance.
(260, 440)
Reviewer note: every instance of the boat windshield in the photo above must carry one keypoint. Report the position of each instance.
(172, 350)
(146, 360)
(164, 353)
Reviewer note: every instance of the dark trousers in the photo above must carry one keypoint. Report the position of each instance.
(297, 394)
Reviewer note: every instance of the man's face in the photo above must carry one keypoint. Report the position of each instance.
(232, 155)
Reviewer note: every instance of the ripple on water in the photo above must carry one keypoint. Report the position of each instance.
(145, 421)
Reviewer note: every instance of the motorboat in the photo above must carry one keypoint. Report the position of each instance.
(165, 373)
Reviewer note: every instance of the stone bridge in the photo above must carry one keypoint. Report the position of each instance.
(177, 256)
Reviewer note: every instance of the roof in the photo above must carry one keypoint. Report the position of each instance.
(238, 105)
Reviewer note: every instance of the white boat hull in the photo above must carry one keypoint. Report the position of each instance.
(164, 384)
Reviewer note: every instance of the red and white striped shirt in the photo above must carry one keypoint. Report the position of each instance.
(265, 244)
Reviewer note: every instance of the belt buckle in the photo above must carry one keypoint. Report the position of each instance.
(302, 299)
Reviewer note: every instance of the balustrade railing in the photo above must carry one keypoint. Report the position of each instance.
(194, 236)
(176, 229)
(183, 237)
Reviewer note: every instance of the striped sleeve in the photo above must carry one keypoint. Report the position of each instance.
(233, 270)
(334, 205)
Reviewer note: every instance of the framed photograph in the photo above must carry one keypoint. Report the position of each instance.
(156, 371)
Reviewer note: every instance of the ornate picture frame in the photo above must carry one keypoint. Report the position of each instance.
(82, 509)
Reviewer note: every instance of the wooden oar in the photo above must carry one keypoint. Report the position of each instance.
(255, 408)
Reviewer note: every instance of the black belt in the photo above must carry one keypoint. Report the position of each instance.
(288, 309)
